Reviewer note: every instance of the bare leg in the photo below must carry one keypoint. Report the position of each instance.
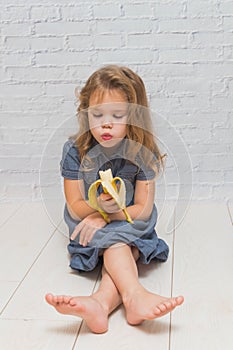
(139, 303)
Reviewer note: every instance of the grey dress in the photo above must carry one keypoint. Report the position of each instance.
(140, 234)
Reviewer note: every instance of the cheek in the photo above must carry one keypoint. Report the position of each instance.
(93, 123)
(121, 128)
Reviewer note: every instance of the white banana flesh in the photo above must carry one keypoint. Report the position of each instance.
(109, 185)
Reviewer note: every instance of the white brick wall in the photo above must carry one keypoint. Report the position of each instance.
(183, 49)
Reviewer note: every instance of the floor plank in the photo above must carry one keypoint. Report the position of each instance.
(50, 273)
(155, 277)
(37, 335)
(22, 238)
(7, 210)
(203, 273)
(7, 289)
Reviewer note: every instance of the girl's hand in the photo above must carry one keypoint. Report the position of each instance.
(87, 228)
(107, 203)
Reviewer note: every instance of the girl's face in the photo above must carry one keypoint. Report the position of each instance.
(107, 120)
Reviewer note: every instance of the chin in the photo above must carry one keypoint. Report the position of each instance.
(110, 143)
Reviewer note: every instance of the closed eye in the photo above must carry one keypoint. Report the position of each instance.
(97, 115)
(118, 116)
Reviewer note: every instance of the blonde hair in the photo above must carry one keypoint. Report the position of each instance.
(139, 124)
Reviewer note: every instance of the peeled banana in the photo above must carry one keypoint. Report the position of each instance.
(109, 185)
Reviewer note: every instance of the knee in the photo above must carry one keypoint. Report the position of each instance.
(135, 253)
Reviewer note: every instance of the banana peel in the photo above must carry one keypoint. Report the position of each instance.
(109, 185)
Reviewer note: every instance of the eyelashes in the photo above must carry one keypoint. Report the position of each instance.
(116, 116)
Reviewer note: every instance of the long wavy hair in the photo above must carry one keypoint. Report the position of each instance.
(139, 124)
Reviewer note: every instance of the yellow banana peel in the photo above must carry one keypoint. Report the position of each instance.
(109, 185)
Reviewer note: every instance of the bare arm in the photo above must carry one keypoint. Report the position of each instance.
(75, 199)
(143, 202)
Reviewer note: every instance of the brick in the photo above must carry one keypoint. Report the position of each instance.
(20, 163)
(227, 38)
(126, 56)
(144, 10)
(189, 55)
(213, 69)
(219, 88)
(62, 28)
(222, 135)
(63, 90)
(163, 103)
(14, 14)
(169, 69)
(30, 74)
(102, 41)
(16, 192)
(106, 11)
(222, 103)
(226, 8)
(17, 59)
(158, 40)
(228, 53)
(44, 13)
(39, 104)
(208, 177)
(140, 40)
(78, 73)
(16, 29)
(217, 161)
(20, 90)
(76, 12)
(201, 101)
(188, 25)
(228, 176)
(207, 39)
(171, 9)
(26, 120)
(80, 42)
(46, 43)
(187, 86)
(202, 9)
(62, 58)
(202, 192)
(120, 25)
(17, 44)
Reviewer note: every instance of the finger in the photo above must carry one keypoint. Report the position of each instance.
(76, 231)
(91, 235)
(88, 235)
(105, 197)
(83, 235)
(113, 206)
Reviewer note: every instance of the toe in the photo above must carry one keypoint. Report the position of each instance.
(174, 302)
(168, 305)
(157, 311)
(49, 298)
(179, 300)
(67, 299)
(162, 307)
(60, 299)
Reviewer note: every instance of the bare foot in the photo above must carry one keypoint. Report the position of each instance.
(144, 305)
(87, 308)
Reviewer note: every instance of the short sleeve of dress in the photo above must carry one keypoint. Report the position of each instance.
(147, 172)
(70, 162)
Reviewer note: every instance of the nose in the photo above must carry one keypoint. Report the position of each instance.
(107, 122)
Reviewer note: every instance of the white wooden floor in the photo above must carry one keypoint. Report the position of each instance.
(33, 261)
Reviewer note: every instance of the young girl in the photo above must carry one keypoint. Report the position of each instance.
(115, 131)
